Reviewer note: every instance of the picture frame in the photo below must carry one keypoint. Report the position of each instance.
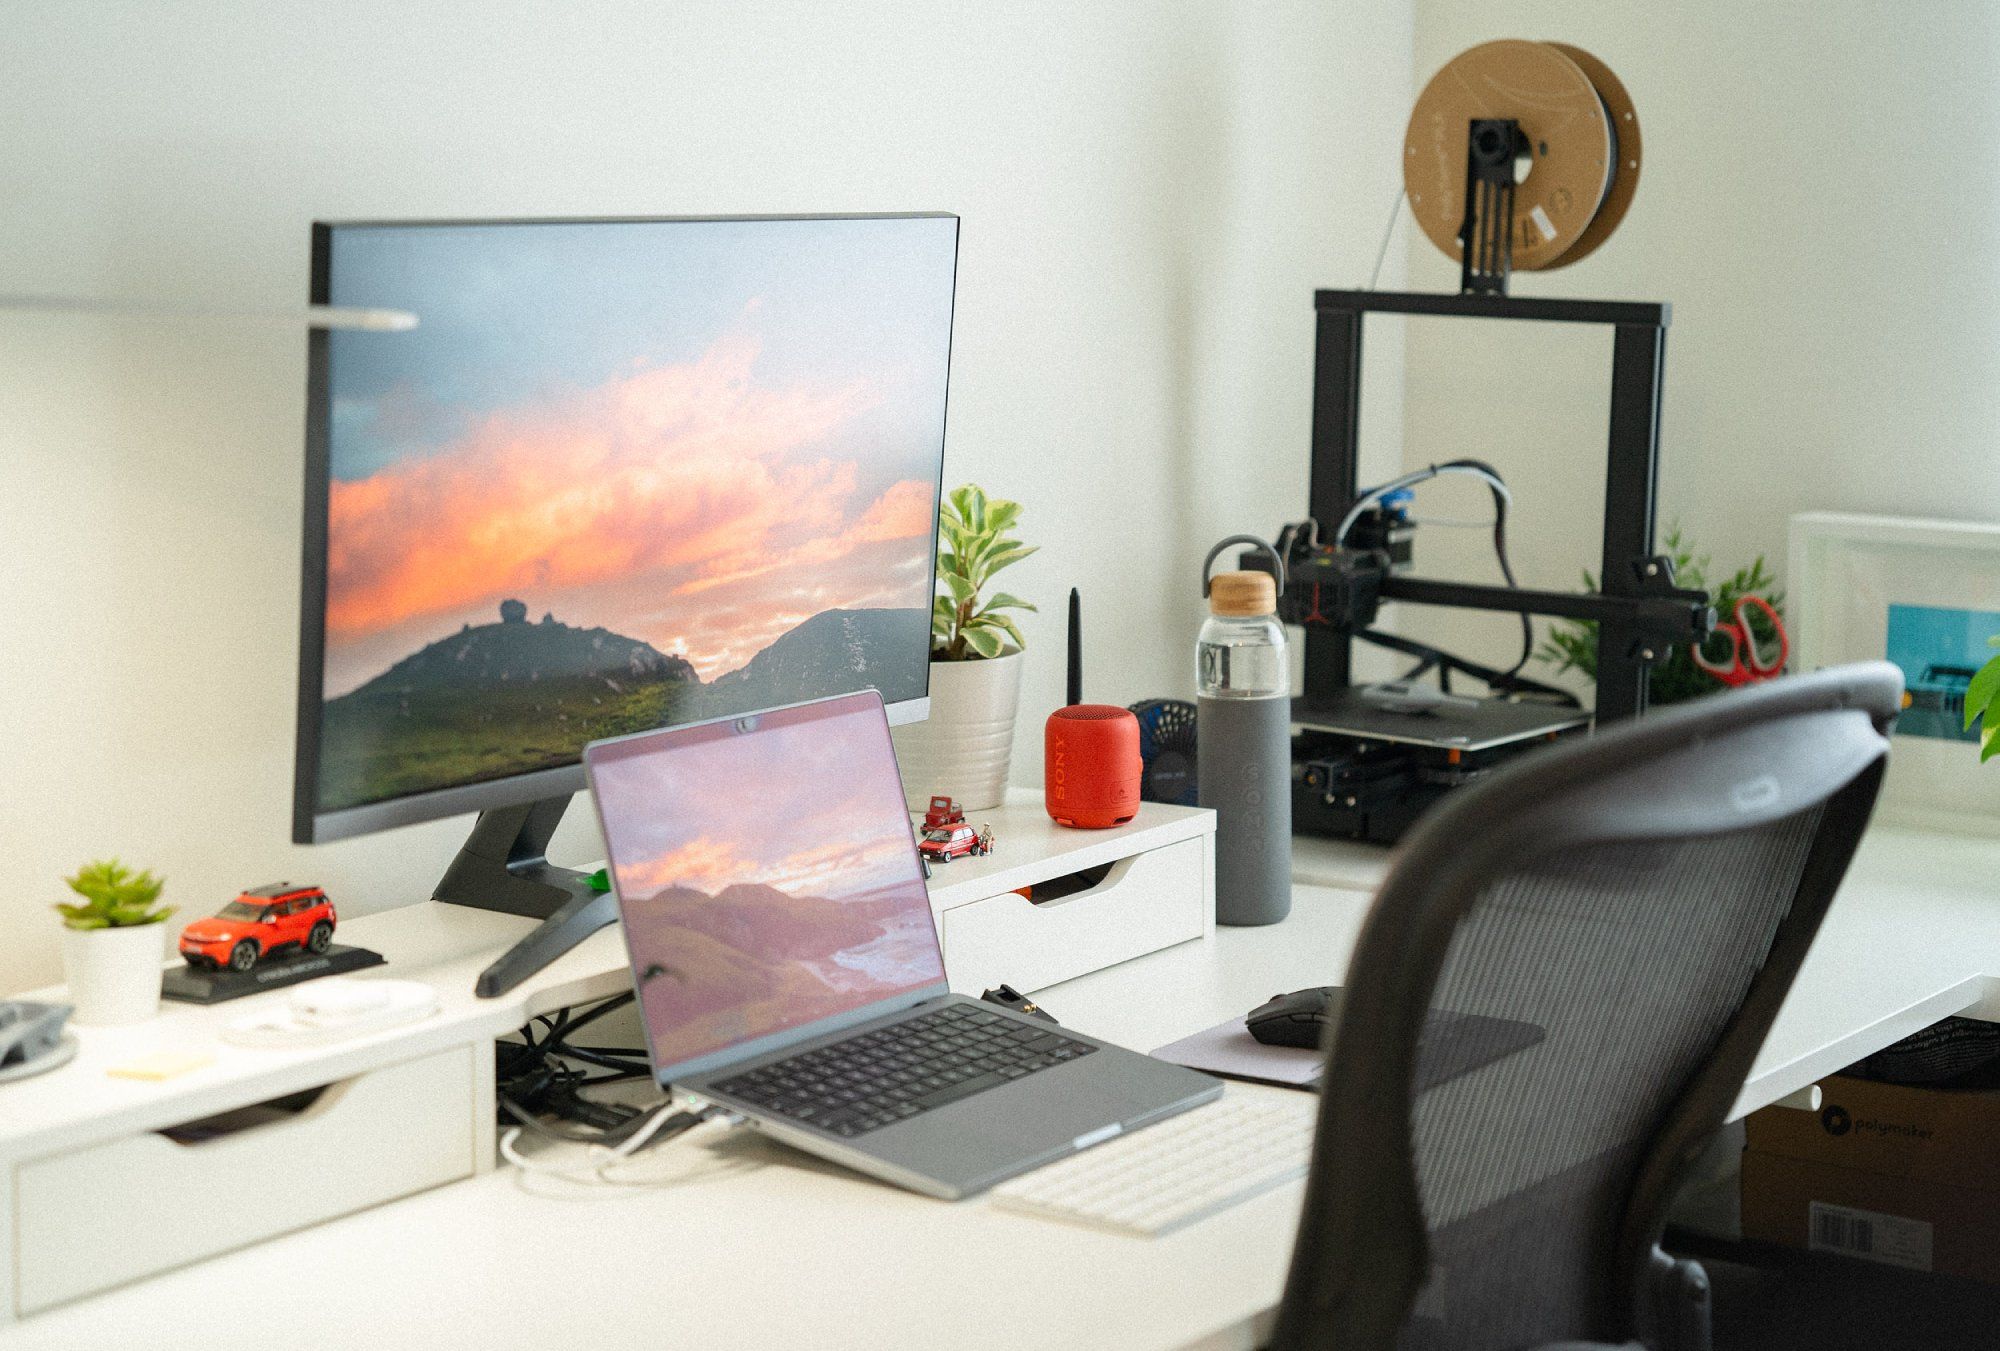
(1924, 594)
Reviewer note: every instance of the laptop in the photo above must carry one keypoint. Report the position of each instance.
(788, 967)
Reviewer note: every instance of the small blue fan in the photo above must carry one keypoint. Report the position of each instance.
(1166, 749)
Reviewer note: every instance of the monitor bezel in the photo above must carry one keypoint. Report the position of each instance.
(310, 825)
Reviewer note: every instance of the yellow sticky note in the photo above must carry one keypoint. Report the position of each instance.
(158, 1065)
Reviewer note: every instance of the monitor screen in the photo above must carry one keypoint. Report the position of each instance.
(622, 475)
(766, 876)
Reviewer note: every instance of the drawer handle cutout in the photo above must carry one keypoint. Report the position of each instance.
(1083, 882)
(255, 1116)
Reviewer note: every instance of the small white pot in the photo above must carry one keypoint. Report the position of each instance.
(114, 974)
(962, 749)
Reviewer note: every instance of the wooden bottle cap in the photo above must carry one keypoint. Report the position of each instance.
(1243, 594)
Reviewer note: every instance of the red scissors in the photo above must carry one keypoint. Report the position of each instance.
(1744, 665)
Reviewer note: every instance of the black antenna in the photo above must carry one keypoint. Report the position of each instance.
(1075, 647)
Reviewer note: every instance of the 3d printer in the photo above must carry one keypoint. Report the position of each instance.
(1368, 760)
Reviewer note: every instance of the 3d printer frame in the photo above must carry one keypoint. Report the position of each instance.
(1639, 611)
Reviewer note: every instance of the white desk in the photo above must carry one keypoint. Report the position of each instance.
(747, 1245)
(1913, 936)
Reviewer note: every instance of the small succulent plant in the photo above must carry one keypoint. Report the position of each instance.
(114, 897)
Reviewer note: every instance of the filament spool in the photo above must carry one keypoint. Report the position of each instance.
(1582, 163)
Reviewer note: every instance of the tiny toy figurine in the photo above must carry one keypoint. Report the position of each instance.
(986, 839)
(942, 844)
(259, 923)
(943, 812)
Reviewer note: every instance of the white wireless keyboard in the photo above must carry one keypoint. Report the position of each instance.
(1186, 1168)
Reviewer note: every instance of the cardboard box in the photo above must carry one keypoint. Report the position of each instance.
(1909, 1177)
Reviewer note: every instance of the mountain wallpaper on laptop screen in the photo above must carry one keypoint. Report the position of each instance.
(622, 476)
(767, 880)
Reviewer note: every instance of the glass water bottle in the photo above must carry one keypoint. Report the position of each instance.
(1243, 752)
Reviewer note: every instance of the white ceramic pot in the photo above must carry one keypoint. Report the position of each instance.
(114, 974)
(962, 749)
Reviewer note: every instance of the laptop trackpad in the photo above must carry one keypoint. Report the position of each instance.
(973, 1144)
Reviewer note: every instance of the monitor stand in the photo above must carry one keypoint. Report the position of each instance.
(504, 866)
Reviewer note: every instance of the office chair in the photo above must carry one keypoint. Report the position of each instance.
(1644, 898)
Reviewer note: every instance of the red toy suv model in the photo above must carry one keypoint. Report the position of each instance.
(942, 844)
(943, 812)
(258, 923)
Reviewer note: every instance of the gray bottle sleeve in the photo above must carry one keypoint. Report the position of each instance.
(1244, 760)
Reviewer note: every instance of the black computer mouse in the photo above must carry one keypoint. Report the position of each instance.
(1296, 1019)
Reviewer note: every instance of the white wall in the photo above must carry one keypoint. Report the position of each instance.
(1818, 203)
(1150, 191)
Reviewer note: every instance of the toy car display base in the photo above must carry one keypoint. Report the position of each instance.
(193, 986)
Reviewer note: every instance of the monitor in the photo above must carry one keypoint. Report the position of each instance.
(767, 877)
(624, 474)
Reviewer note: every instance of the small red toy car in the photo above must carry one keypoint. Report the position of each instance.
(259, 923)
(943, 812)
(942, 844)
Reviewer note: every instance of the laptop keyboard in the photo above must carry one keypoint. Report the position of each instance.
(894, 1073)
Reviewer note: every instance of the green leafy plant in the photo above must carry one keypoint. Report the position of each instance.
(1572, 644)
(114, 897)
(974, 544)
(1982, 705)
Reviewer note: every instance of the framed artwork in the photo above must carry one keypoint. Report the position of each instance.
(1925, 595)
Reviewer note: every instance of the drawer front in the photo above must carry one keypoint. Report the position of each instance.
(111, 1213)
(1147, 902)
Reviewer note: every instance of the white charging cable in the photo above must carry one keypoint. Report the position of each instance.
(601, 1157)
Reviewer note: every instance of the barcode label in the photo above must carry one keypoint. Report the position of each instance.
(1866, 1233)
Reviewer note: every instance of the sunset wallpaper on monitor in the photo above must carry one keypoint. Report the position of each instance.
(767, 879)
(622, 475)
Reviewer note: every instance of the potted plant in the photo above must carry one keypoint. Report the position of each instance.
(1572, 643)
(1982, 705)
(963, 748)
(114, 943)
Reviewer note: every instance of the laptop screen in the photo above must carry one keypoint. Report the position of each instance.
(767, 877)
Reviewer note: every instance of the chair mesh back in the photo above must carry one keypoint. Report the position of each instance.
(1630, 960)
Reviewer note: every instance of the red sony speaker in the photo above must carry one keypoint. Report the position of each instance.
(1091, 767)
